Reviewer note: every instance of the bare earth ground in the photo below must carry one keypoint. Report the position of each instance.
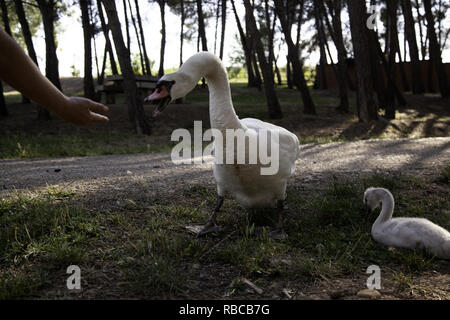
(105, 181)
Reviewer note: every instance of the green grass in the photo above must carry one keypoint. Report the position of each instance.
(41, 228)
(25, 146)
(445, 176)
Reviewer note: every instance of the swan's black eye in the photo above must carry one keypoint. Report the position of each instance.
(166, 83)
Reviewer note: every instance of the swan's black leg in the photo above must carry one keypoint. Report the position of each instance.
(278, 233)
(210, 225)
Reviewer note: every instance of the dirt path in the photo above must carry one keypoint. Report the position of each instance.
(101, 173)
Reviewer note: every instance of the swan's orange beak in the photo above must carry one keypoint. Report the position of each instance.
(161, 93)
(158, 94)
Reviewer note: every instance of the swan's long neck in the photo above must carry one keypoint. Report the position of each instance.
(387, 207)
(222, 114)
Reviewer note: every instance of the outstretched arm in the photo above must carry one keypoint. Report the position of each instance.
(20, 72)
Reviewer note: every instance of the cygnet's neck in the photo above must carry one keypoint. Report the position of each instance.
(221, 111)
(387, 206)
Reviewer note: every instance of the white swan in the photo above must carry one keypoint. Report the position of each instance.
(408, 233)
(243, 182)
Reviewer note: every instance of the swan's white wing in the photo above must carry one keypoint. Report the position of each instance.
(289, 144)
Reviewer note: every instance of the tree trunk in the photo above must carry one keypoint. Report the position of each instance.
(272, 99)
(321, 37)
(289, 74)
(135, 107)
(410, 32)
(47, 9)
(277, 72)
(247, 53)
(217, 26)
(182, 31)
(270, 33)
(391, 73)
(162, 4)
(293, 57)
(365, 97)
(401, 66)
(144, 48)
(253, 54)
(127, 26)
(435, 52)
(336, 33)
(88, 83)
(138, 38)
(258, 78)
(423, 47)
(42, 113)
(5, 17)
(97, 65)
(3, 110)
(201, 26)
(222, 34)
(105, 30)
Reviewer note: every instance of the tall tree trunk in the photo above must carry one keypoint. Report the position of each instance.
(162, 5)
(290, 83)
(410, 32)
(435, 52)
(138, 38)
(277, 70)
(48, 12)
(182, 31)
(247, 52)
(270, 33)
(217, 26)
(391, 73)
(42, 113)
(101, 77)
(3, 109)
(272, 99)
(97, 65)
(253, 54)
(201, 26)
(321, 37)
(423, 42)
(258, 79)
(47, 8)
(293, 55)
(5, 17)
(88, 83)
(135, 107)
(222, 34)
(108, 45)
(401, 66)
(335, 30)
(127, 25)
(144, 48)
(367, 108)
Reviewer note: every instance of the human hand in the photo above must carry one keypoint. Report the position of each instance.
(82, 111)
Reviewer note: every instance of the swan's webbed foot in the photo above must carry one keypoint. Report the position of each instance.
(211, 225)
(278, 233)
